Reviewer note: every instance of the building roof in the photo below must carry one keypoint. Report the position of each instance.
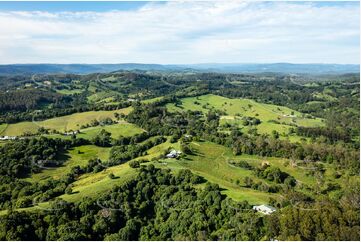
(264, 207)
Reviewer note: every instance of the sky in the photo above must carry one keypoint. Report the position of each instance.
(177, 32)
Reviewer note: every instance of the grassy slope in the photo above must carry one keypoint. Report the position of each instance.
(210, 161)
(3, 128)
(119, 129)
(247, 107)
(79, 156)
(92, 185)
(68, 122)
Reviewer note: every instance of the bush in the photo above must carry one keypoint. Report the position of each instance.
(69, 190)
(23, 202)
(134, 164)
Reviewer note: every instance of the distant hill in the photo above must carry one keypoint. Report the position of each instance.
(279, 68)
(211, 67)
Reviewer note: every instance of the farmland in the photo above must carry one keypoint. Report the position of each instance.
(165, 146)
(272, 117)
(61, 124)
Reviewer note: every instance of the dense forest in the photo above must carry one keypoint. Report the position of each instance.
(160, 206)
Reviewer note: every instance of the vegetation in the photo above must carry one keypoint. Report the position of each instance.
(179, 156)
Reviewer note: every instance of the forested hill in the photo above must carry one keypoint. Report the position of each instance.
(208, 67)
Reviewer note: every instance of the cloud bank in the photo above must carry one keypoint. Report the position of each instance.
(186, 32)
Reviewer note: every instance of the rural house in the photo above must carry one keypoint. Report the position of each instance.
(265, 209)
(173, 154)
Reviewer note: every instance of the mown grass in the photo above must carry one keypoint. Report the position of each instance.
(61, 124)
(211, 162)
(69, 92)
(103, 96)
(147, 101)
(93, 184)
(273, 117)
(119, 129)
(78, 156)
(3, 128)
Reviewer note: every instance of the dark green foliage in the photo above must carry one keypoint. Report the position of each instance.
(242, 163)
(273, 174)
(135, 210)
(20, 158)
(157, 205)
(22, 100)
(103, 139)
(134, 164)
(250, 121)
(122, 153)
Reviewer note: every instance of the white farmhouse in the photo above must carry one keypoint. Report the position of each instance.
(7, 137)
(265, 209)
(173, 154)
(70, 133)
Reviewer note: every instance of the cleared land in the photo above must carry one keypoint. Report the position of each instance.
(79, 156)
(61, 124)
(210, 161)
(272, 117)
(119, 129)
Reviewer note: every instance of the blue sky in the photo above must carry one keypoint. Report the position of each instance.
(179, 32)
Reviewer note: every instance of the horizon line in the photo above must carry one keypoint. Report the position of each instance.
(181, 64)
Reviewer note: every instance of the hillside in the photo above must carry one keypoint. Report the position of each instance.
(235, 112)
(147, 146)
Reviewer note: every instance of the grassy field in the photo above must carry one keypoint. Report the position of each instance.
(70, 92)
(119, 129)
(61, 124)
(102, 97)
(211, 162)
(146, 101)
(91, 185)
(235, 109)
(79, 156)
(3, 128)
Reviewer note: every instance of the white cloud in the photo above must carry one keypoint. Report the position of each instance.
(185, 32)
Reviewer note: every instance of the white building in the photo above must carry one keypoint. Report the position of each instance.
(173, 154)
(265, 209)
(7, 137)
(70, 133)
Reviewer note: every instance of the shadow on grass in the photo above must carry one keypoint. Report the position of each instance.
(115, 177)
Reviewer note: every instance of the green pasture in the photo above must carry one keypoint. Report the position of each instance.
(78, 156)
(61, 124)
(272, 117)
